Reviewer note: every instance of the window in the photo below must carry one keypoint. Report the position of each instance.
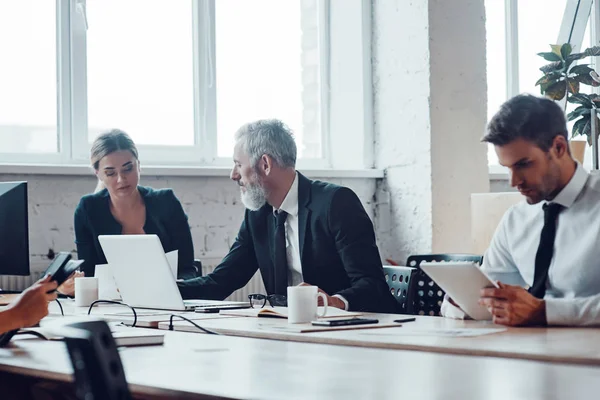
(179, 76)
(28, 93)
(140, 71)
(516, 31)
(268, 68)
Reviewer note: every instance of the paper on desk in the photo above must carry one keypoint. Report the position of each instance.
(172, 258)
(457, 332)
(107, 287)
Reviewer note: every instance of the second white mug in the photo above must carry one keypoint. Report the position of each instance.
(86, 291)
(302, 304)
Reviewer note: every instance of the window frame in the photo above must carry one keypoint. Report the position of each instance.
(72, 124)
(572, 29)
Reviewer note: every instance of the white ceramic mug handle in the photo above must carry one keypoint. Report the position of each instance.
(322, 295)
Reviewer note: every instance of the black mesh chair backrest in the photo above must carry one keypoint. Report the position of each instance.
(398, 280)
(96, 362)
(425, 296)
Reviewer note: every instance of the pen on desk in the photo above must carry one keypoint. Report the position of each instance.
(405, 320)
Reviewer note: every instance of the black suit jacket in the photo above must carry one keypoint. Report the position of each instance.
(164, 217)
(337, 250)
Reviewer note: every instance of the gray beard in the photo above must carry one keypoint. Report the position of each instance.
(254, 198)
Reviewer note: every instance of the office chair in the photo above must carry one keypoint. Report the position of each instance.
(398, 280)
(198, 267)
(424, 295)
(96, 362)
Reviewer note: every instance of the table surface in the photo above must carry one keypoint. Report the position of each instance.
(210, 366)
(564, 345)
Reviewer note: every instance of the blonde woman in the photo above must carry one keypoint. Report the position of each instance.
(121, 206)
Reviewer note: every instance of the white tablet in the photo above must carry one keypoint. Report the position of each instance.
(462, 281)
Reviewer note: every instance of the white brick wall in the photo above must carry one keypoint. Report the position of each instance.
(429, 89)
(212, 204)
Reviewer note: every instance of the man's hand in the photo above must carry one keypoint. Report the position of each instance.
(68, 286)
(331, 300)
(513, 305)
(32, 305)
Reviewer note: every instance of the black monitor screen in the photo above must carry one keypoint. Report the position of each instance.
(14, 230)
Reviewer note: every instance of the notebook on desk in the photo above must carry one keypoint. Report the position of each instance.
(282, 312)
(123, 335)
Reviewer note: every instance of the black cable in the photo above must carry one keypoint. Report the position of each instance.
(191, 322)
(33, 333)
(61, 309)
(115, 302)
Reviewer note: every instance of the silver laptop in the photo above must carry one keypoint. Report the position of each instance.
(143, 275)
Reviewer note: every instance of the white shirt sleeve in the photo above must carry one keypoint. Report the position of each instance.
(498, 262)
(343, 300)
(448, 310)
(573, 312)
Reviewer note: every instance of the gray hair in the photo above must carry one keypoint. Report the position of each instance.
(271, 137)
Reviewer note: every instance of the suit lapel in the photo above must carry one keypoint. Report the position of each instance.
(304, 196)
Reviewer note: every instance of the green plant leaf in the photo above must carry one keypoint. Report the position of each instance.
(581, 69)
(585, 130)
(594, 98)
(556, 48)
(548, 78)
(573, 86)
(578, 112)
(586, 80)
(592, 51)
(583, 99)
(565, 50)
(553, 66)
(550, 56)
(557, 90)
(575, 57)
(579, 125)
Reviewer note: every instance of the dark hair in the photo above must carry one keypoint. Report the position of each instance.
(109, 142)
(535, 119)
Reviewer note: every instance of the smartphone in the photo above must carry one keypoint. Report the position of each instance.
(62, 267)
(343, 322)
(405, 320)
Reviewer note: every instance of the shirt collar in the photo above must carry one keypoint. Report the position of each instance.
(567, 196)
(290, 203)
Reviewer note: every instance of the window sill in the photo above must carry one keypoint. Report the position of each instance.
(56, 169)
(498, 173)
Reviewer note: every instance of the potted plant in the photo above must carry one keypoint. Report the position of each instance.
(562, 82)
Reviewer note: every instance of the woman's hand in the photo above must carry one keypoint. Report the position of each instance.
(68, 286)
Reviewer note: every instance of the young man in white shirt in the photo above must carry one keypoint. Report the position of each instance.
(545, 252)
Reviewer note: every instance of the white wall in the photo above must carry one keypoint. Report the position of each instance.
(429, 77)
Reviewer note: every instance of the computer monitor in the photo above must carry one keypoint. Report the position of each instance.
(14, 229)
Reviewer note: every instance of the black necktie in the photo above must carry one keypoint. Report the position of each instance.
(281, 265)
(545, 250)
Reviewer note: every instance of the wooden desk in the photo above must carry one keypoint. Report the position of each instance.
(566, 345)
(206, 366)
(146, 318)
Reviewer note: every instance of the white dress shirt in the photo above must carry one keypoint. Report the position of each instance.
(573, 285)
(292, 239)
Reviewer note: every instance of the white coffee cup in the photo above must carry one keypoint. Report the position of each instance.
(302, 304)
(86, 291)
